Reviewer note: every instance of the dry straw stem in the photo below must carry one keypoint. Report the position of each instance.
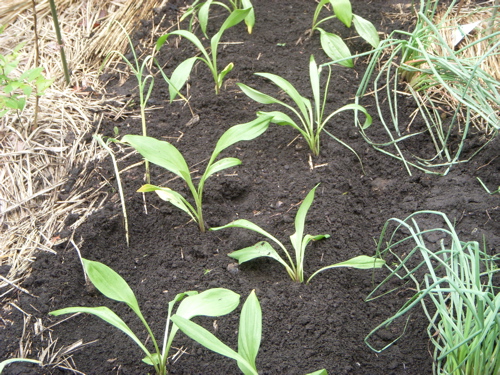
(36, 194)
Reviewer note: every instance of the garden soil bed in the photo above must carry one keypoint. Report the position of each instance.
(305, 327)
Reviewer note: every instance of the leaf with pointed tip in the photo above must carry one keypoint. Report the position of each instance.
(245, 224)
(179, 77)
(335, 48)
(300, 219)
(241, 132)
(221, 165)
(343, 11)
(366, 30)
(302, 102)
(203, 16)
(361, 262)
(250, 330)
(256, 95)
(208, 340)
(160, 153)
(108, 316)
(280, 118)
(314, 77)
(223, 73)
(110, 283)
(250, 18)
(172, 197)
(260, 249)
(233, 19)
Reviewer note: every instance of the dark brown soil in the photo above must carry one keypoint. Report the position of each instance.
(305, 327)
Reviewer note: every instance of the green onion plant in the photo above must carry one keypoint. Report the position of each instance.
(167, 156)
(421, 68)
(212, 302)
(200, 10)
(311, 116)
(295, 269)
(455, 287)
(249, 336)
(181, 74)
(332, 44)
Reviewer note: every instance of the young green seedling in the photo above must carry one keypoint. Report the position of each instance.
(200, 9)
(249, 336)
(212, 302)
(311, 116)
(332, 44)
(143, 81)
(181, 73)
(167, 156)
(299, 243)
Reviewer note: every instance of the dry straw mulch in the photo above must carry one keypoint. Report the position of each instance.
(43, 166)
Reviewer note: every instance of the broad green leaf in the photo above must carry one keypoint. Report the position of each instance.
(366, 30)
(152, 360)
(343, 11)
(362, 262)
(260, 249)
(319, 372)
(241, 132)
(234, 18)
(300, 220)
(184, 34)
(335, 48)
(280, 118)
(221, 165)
(203, 15)
(108, 316)
(258, 96)
(179, 77)
(160, 153)
(208, 340)
(110, 283)
(291, 91)
(211, 302)
(172, 197)
(250, 18)
(245, 224)
(308, 238)
(250, 330)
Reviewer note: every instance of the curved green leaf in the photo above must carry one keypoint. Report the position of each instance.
(314, 74)
(233, 19)
(354, 107)
(366, 30)
(250, 330)
(302, 102)
(221, 165)
(179, 77)
(241, 132)
(256, 95)
(335, 48)
(280, 118)
(110, 283)
(108, 316)
(343, 11)
(245, 224)
(203, 15)
(211, 302)
(172, 197)
(260, 249)
(250, 18)
(160, 153)
(300, 220)
(208, 340)
(362, 262)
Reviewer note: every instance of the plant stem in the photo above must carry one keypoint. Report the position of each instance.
(59, 40)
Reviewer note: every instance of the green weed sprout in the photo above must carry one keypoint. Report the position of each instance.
(167, 156)
(212, 302)
(311, 115)
(181, 74)
(299, 242)
(332, 44)
(200, 9)
(145, 83)
(249, 336)
(455, 287)
(14, 89)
